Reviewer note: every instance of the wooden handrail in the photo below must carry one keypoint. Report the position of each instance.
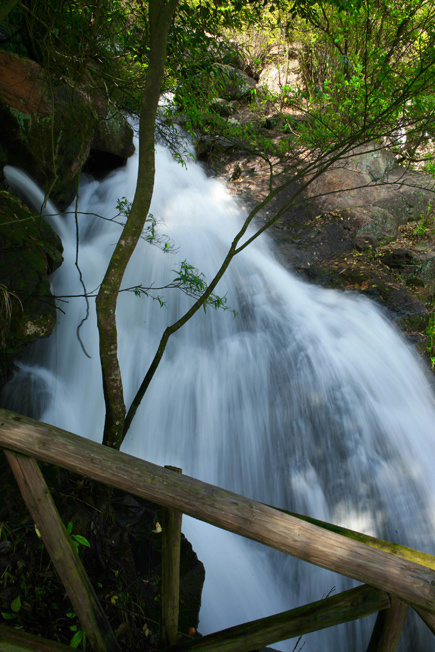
(423, 558)
(20, 641)
(349, 605)
(411, 582)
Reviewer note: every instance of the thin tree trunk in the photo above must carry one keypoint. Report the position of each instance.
(160, 16)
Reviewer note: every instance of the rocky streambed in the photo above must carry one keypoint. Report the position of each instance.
(377, 239)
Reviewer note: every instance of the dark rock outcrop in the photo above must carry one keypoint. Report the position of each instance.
(49, 127)
(29, 252)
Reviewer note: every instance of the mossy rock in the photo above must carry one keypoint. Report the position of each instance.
(380, 227)
(51, 151)
(114, 135)
(416, 322)
(29, 252)
(49, 125)
(234, 84)
(428, 273)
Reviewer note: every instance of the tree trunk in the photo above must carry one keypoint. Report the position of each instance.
(160, 15)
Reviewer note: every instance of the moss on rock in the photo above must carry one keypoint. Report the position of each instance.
(29, 252)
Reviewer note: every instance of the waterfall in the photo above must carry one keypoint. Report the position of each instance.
(308, 399)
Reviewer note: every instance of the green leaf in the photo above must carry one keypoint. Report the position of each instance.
(16, 604)
(69, 527)
(8, 616)
(81, 540)
(76, 639)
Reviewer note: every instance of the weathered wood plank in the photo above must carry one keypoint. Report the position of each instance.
(418, 556)
(349, 605)
(16, 640)
(68, 565)
(428, 618)
(170, 587)
(407, 580)
(388, 627)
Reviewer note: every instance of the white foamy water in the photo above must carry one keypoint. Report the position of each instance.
(308, 399)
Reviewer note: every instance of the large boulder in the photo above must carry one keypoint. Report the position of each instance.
(372, 160)
(276, 78)
(49, 126)
(380, 196)
(374, 225)
(234, 84)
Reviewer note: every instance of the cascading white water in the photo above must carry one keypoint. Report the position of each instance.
(308, 399)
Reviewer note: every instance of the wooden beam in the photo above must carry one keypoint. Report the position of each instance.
(423, 558)
(66, 561)
(388, 627)
(407, 580)
(16, 640)
(170, 587)
(349, 605)
(428, 618)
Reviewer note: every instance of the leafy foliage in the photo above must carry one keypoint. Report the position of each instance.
(77, 539)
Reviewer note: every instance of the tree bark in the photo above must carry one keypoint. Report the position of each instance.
(160, 16)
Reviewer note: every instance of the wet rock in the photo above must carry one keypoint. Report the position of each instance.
(113, 135)
(428, 273)
(29, 251)
(49, 127)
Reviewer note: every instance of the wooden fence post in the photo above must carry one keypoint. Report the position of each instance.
(170, 587)
(70, 569)
(388, 627)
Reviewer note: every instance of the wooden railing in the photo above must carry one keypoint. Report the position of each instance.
(393, 576)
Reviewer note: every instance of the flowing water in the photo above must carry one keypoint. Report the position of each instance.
(308, 399)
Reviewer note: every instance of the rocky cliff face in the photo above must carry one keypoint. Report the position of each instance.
(29, 252)
(50, 129)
